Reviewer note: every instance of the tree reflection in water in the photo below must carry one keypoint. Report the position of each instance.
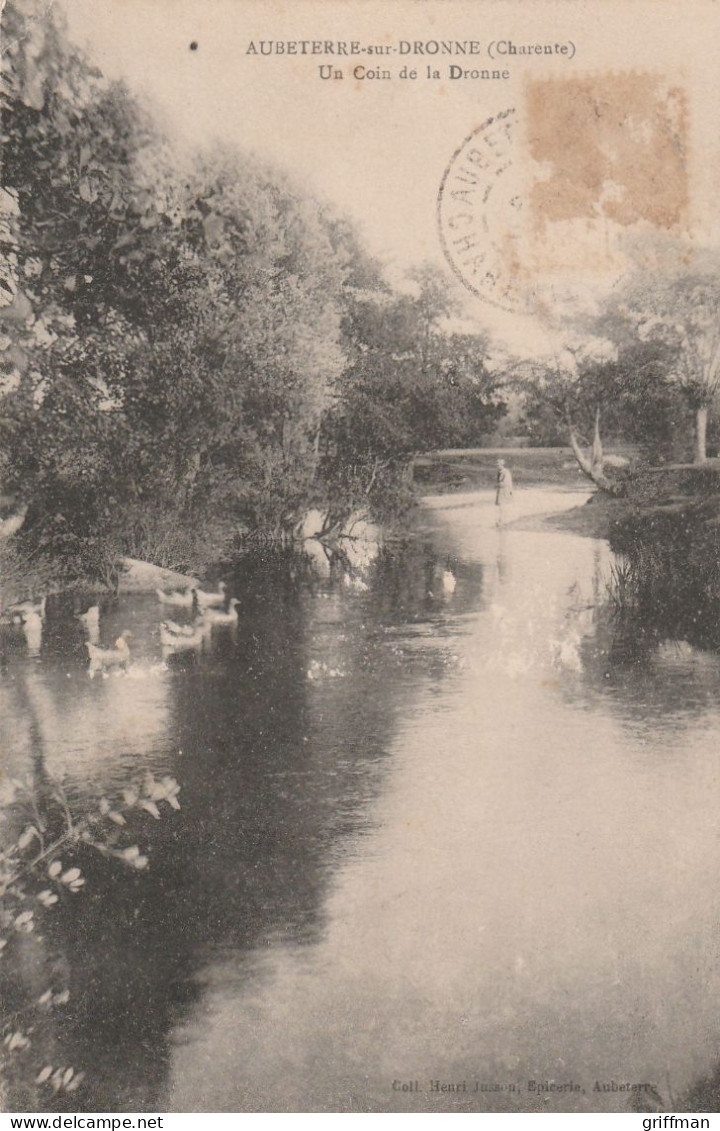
(278, 772)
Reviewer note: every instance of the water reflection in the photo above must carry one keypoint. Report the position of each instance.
(500, 921)
(447, 824)
(276, 770)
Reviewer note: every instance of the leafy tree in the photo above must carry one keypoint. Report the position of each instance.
(172, 333)
(412, 383)
(634, 396)
(621, 371)
(574, 384)
(193, 337)
(69, 146)
(679, 309)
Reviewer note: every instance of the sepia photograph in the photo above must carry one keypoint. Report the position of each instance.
(360, 558)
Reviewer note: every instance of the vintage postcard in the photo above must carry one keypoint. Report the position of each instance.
(359, 544)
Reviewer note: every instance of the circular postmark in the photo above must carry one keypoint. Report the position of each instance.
(479, 209)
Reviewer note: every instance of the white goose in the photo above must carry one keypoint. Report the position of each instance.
(215, 616)
(176, 629)
(20, 612)
(208, 600)
(181, 642)
(101, 658)
(90, 621)
(185, 600)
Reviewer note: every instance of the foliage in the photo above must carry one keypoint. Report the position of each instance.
(635, 393)
(22, 574)
(193, 336)
(188, 320)
(674, 303)
(661, 364)
(669, 577)
(40, 875)
(678, 308)
(413, 382)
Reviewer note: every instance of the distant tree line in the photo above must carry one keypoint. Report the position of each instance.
(643, 365)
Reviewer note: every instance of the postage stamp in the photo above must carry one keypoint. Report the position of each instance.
(554, 190)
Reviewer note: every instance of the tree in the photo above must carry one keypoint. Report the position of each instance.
(413, 382)
(193, 338)
(575, 383)
(678, 307)
(38, 68)
(171, 328)
(634, 395)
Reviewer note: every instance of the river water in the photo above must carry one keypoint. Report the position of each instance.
(446, 825)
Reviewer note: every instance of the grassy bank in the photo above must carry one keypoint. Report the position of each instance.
(666, 533)
(593, 519)
(474, 469)
(468, 469)
(678, 498)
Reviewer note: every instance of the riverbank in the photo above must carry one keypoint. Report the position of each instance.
(135, 576)
(594, 518)
(681, 493)
(684, 494)
(666, 532)
(463, 469)
(461, 472)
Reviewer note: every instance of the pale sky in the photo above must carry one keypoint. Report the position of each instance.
(378, 149)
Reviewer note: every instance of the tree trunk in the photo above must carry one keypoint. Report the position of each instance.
(597, 449)
(701, 421)
(408, 475)
(592, 466)
(583, 463)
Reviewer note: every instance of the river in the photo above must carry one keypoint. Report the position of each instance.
(448, 838)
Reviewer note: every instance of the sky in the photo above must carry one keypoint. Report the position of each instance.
(378, 149)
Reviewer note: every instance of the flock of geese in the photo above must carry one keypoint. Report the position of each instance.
(210, 608)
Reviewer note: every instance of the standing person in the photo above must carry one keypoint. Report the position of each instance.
(504, 490)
